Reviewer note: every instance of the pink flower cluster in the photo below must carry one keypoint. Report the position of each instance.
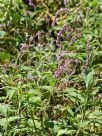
(65, 2)
(23, 46)
(31, 3)
(57, 14)
(61, 32)
(61, 68)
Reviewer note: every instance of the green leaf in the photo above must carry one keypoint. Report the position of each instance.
(2, 33)
(74, 94)
(88, 78)
(49, 124)
(83, 124)
(71, 132)
(10, 93)
(48, 88)
(13, 118)
(4, 109)
(37, 123)
(4, 123)
(62, 132)
(35, 100)
(4, 56)
(70, 111)
(93, 3)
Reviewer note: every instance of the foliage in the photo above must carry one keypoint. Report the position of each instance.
(50, 68)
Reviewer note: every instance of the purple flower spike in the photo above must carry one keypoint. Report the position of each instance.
(27, 13)
(65, 2)
(61, 10)
(61, 32)
(61, 68)
(31, 3)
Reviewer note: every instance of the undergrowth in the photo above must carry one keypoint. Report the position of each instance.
(51, 68)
